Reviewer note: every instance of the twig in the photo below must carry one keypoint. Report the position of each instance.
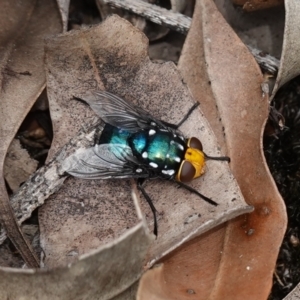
(267, 62)
(182, 23)
(154, 13)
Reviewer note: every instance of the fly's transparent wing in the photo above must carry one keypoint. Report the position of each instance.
(119, 113)
(104, 161)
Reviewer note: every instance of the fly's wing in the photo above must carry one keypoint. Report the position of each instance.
(119, 113)
(104, 161)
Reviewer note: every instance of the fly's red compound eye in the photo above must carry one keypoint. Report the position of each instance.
(186, 172)
(195, 143)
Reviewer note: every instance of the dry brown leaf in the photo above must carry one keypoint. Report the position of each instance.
(22, 77)
(99, 275)
(235, 260)
(86, 214)
(289, 62)
(18, 165)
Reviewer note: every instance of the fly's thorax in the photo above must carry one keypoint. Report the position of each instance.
(160, 149)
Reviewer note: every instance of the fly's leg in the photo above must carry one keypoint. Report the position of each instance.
(208, 200)
(176, 126)
(188, 114)
(140, 182)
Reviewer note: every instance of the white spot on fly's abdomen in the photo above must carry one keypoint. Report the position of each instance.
(145, 154)
(152, 131)
(168, 155)
(168, 172)
(153, 165)
(138, 170)
(177, 159)
(181, 137)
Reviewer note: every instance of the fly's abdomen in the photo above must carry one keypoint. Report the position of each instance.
(114, 135)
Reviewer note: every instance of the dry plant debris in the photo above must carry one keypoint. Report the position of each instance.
(120, 65)
(242, 109)
(92, 231)
(22, 80)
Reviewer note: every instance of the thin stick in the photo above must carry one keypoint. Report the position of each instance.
(154, 13)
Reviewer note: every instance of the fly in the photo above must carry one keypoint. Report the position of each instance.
(134, 144)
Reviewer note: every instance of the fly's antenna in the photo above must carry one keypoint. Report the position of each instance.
(222, 158)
